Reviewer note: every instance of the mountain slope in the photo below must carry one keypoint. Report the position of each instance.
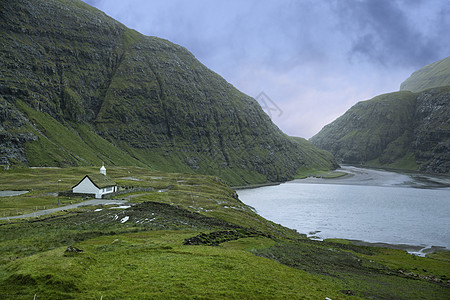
(402, 130)
(409, 129)
(433, 75)
(78, 88)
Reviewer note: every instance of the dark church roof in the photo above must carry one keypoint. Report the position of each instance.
(99, 180)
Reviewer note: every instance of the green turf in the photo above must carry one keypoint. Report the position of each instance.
(140, 252)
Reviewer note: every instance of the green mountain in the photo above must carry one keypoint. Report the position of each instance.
(79, 88)
(406, 130)
(433, 75)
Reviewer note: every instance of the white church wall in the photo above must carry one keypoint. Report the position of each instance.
(87, 187)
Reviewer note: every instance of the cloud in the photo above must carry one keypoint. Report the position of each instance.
(394, 33)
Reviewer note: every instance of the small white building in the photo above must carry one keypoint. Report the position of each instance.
(96, 184)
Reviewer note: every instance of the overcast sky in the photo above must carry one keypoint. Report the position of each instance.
(313, 59)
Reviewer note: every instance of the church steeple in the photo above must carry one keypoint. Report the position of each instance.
(103, 169)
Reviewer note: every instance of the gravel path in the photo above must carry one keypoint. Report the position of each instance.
(52, 210)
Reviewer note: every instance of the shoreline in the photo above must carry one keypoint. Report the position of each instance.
(256, 185)
(348, 173)
(415, 250)
(400, 171)
(421, 251)
(381, 177)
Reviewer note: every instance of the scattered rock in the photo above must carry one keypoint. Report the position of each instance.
(218, 237)
(72, 249)
(348, 292)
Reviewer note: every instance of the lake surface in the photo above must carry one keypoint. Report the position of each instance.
(368, 205)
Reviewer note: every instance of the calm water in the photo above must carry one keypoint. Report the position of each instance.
(369, 205)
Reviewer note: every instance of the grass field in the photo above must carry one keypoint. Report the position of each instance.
(141, 252)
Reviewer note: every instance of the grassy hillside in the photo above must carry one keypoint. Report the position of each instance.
(66, 144)
(401, 130)
(162, 250)
(432, 75)
(377, 128)
(82, 88)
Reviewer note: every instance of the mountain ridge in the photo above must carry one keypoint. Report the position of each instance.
(78, 88)
(433, 75)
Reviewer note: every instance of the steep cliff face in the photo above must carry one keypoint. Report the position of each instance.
(78, 88)
(402, 130)
(13, 134)
(431, 139)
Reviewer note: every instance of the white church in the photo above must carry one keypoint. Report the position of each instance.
(96, 184)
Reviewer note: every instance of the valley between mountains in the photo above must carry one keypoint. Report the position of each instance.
(78, 89)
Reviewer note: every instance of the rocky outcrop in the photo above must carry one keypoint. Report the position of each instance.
(431, 138)
(14, 134)
(92, 90)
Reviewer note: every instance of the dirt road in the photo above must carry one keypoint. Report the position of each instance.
(52, 210)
